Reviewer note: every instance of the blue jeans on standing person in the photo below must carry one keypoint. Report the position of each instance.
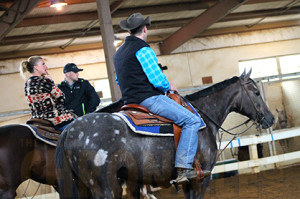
(168, 108)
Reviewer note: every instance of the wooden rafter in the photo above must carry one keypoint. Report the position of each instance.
(115, 13)
(46, 3)
(208, 32)
(199, 24)
(88, 16)
(154, 26)
(15, 14)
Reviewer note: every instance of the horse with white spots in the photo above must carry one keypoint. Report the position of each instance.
(99, 151)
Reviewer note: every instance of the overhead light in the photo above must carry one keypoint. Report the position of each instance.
(58, 4)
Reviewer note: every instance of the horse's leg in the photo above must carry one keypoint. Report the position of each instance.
(149, 192)
(107, 187)
(133, 190)
(64, 175)
(8, 181)
(7, 192)
(15, 157)
(117, 190)
(195, 189)
(69, 186)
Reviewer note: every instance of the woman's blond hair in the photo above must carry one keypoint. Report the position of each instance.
(27, 66)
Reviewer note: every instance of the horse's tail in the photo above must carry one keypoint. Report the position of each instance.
(66, 177)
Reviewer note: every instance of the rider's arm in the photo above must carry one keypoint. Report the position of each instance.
(56, 94)
(148, 60)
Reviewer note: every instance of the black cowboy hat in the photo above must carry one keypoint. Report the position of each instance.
(135, 20)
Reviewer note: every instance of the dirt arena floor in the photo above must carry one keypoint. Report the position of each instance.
(272, 184)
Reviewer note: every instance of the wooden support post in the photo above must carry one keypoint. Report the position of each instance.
(108, 39)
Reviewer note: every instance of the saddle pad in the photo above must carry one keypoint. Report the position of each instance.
(39, 136)
(154, 128)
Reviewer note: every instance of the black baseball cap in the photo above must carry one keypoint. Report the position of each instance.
(71, 67)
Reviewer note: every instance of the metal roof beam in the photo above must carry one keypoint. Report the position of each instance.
(199, 24)
(14, 15)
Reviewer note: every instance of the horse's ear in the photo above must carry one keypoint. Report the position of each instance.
(248, 74)
(244, 73)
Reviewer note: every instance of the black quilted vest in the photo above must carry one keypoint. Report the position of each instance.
(133, 82)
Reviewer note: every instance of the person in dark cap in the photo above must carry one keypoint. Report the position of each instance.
(142, 82)
(81, 97)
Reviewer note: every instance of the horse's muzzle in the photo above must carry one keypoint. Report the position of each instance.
(267, 121)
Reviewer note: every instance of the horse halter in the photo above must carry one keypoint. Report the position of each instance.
(259, 115)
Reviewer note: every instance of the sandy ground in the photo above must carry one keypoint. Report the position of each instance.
(271, 184)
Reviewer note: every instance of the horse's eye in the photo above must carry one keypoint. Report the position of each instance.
(257, 93)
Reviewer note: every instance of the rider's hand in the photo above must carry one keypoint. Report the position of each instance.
(173, 87)
(47, 75)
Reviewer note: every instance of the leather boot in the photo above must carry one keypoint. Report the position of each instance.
(184, 175)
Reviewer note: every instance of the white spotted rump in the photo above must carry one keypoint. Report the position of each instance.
(100, 158)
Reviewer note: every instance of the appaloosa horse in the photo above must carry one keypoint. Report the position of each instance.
(100, 150)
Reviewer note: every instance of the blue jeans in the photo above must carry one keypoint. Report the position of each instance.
(63, 128)
(168, 108)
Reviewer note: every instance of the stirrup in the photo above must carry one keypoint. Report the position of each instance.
(189, 175)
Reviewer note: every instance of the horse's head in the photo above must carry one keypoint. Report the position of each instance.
(252, 104)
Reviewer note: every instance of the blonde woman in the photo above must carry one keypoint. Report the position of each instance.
(45, 99)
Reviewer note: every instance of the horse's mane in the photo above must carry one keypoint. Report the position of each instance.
(212, 89)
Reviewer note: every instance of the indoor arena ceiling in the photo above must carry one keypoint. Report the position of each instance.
(38, 28)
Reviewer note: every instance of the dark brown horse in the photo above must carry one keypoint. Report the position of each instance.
(22, 156)
(99, 151)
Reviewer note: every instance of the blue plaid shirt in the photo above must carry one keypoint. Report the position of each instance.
(148, 60)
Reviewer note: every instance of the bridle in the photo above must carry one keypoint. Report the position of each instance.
(259, 115)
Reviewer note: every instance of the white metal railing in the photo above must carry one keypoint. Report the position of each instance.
(252, 141)
(276, 135)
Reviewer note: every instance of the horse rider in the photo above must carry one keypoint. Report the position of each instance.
(142, 82)
(45, 99)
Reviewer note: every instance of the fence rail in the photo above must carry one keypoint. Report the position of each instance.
(252, 141)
